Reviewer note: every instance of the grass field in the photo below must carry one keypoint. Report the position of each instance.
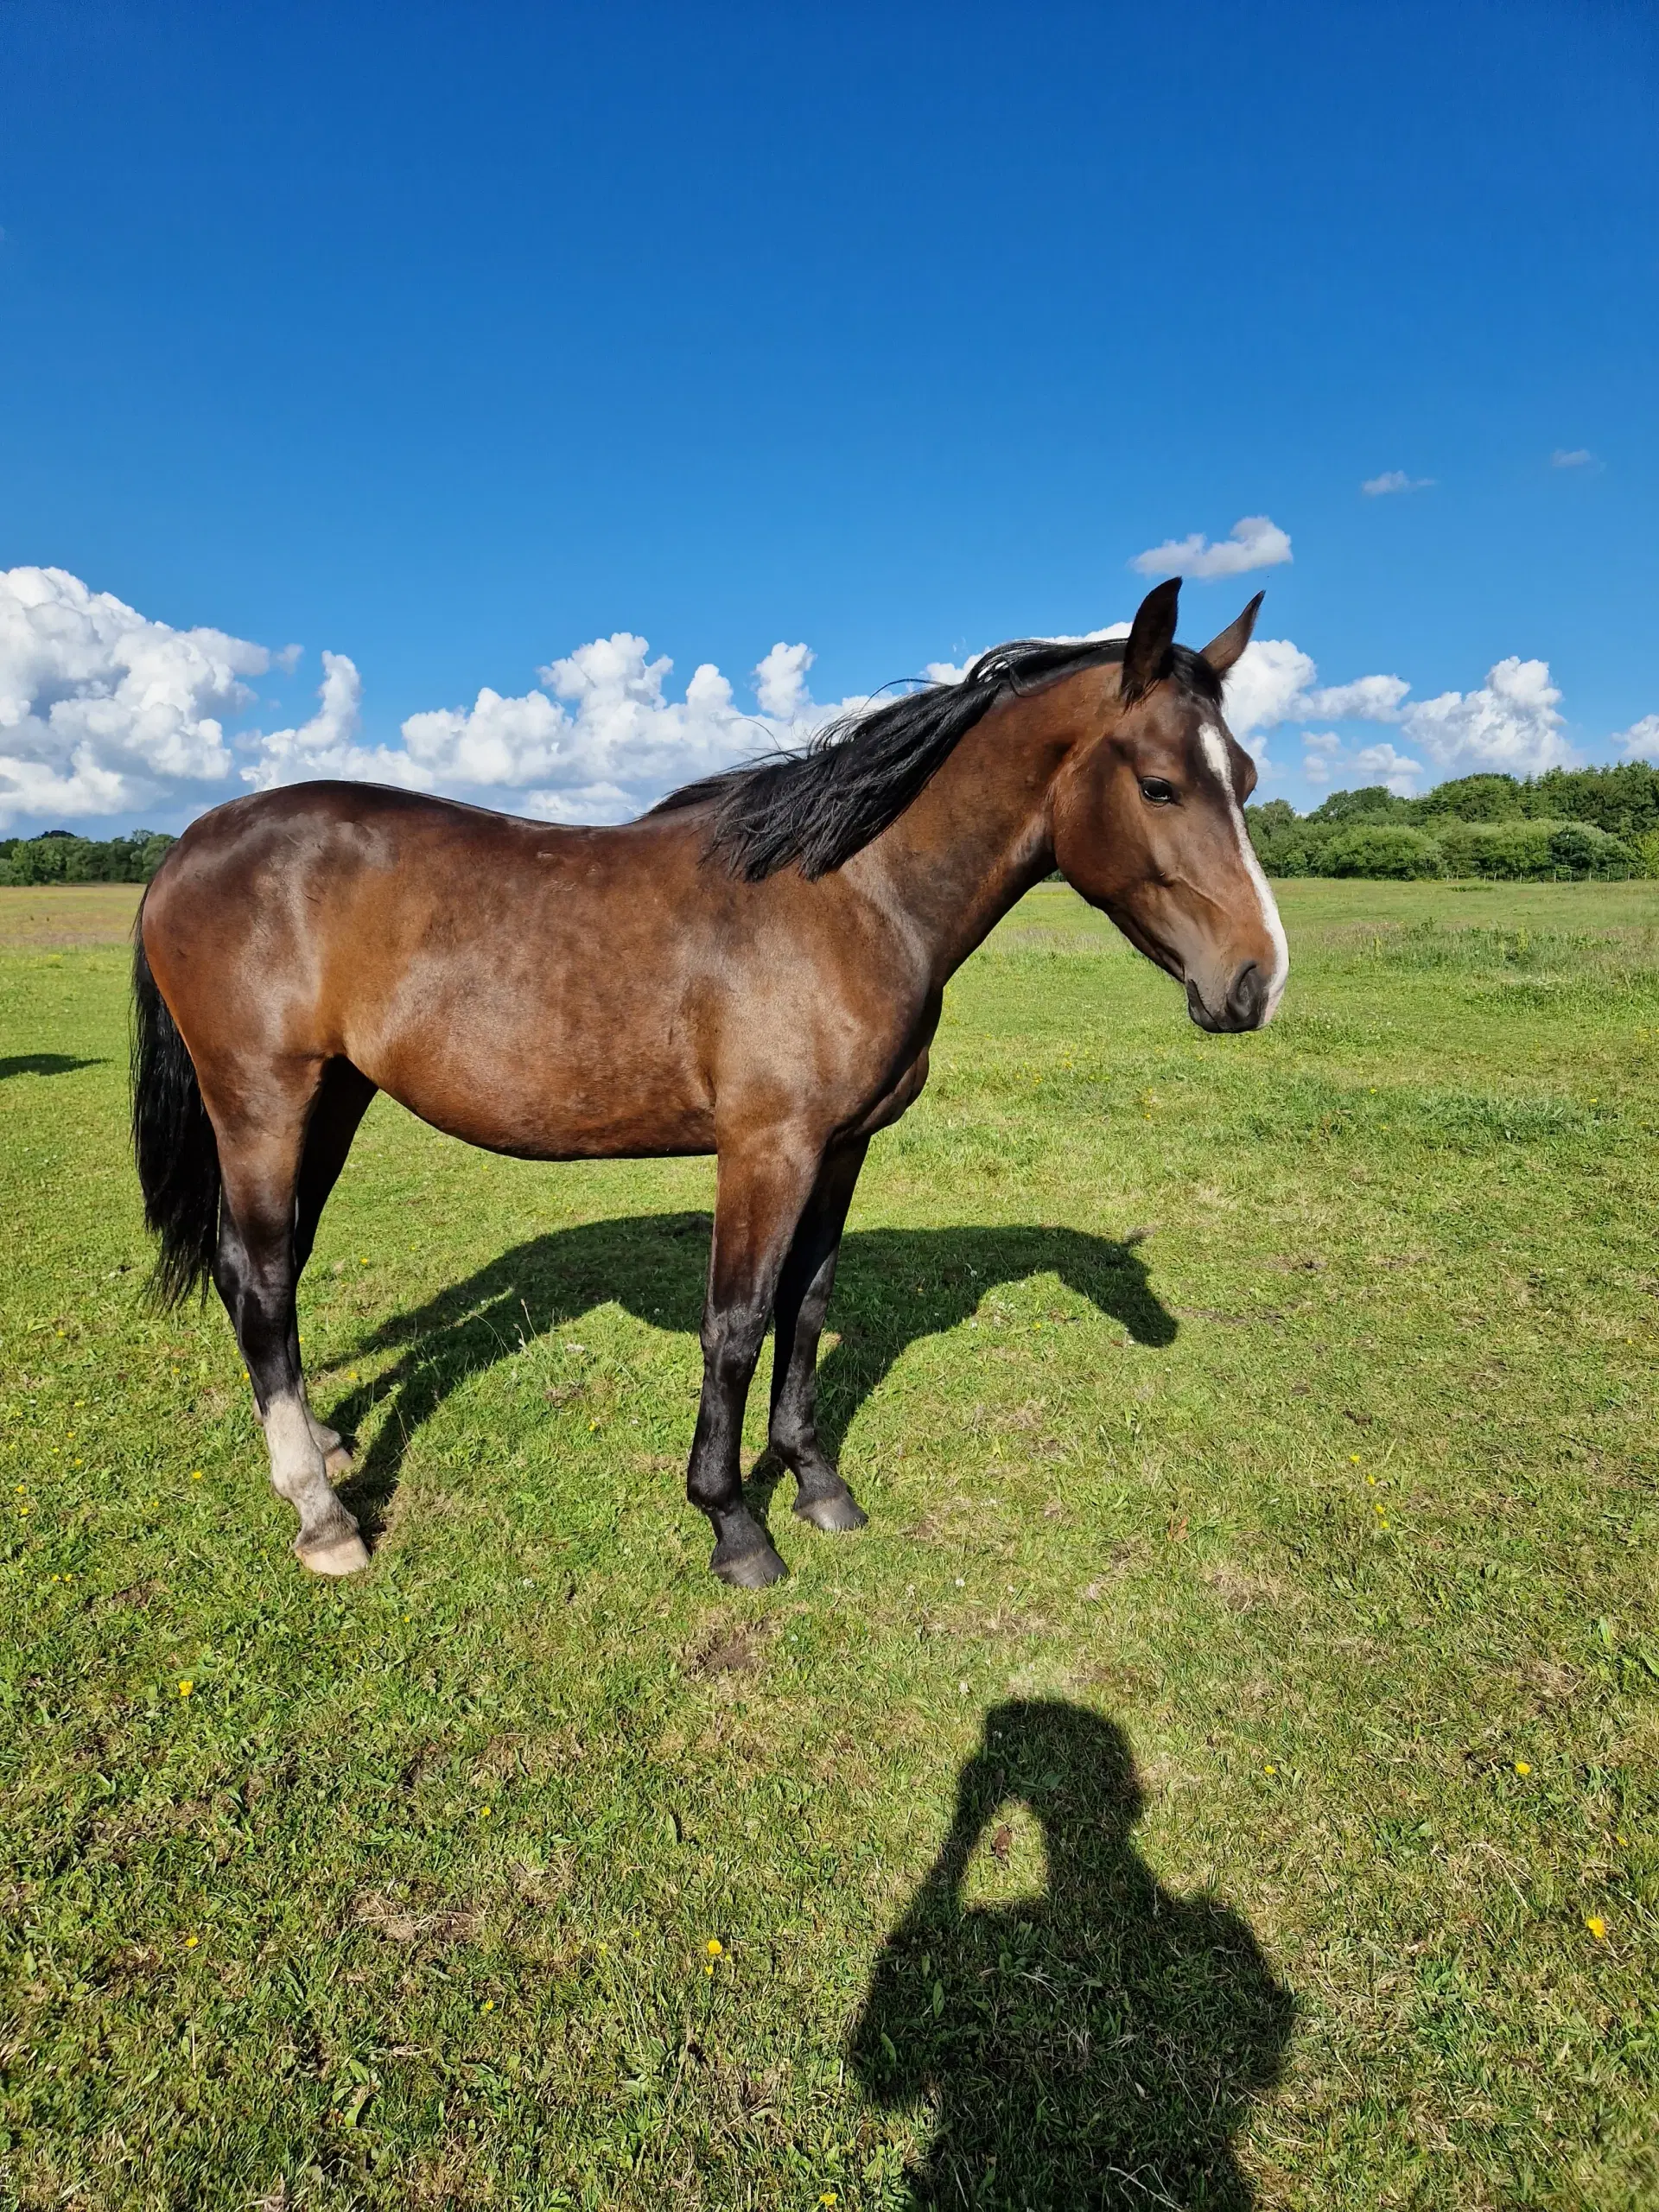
(1223, 1773)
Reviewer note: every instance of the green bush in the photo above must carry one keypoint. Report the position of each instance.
(1383, 848)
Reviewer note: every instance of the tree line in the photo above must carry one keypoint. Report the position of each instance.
(59, 856)
(1569, 823)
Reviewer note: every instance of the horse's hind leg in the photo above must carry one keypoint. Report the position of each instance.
(804, 1289)
(343, 1098)
(260, 1148)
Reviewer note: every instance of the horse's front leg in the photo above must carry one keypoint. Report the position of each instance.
(764, 1182)
(809, 1276)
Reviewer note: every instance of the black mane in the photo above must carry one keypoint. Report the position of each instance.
(819, 807)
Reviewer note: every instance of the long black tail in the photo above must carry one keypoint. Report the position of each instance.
(173, 1142)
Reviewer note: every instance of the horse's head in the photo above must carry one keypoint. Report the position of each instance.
(1148, 823)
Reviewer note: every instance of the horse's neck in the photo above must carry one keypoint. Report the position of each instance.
(970, 847)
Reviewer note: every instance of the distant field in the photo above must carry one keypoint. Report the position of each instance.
(1223, 1773)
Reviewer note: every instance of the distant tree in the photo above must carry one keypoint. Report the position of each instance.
(1474, 799)
(1372, 802)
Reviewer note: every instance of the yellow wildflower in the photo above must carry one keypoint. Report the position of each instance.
(714, 1947)
(191, 1942)
(1520, 1767)
(1597, 1926)
(186, 1687)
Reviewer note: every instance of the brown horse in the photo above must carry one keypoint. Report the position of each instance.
(754, 970)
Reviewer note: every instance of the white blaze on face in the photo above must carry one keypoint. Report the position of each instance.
(1215, 753)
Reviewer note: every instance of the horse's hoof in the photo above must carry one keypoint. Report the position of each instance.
(837, 1513)
(337, 1459)
(756, 1568)
(345, 1555)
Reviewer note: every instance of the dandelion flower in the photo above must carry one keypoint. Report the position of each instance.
(484, 1813)
(829, 2197)
(186, 1687)
(191, 1942)
(714, 1947)
(488, 2005)
(195, 1474)
(1270, 1769)
(1353, 1458)
(1521, 1767)
(1597, 1926)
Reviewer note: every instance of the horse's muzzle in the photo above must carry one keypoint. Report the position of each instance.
(1245, 1006)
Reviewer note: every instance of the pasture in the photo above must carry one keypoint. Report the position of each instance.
(1223, 1772)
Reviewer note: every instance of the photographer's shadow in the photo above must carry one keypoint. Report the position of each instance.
(894, 1285)
(1098, 2046)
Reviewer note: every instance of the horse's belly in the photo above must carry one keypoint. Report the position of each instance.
(573, 1100)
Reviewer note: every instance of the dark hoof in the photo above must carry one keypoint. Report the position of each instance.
(755, 1567)
(837, 1512)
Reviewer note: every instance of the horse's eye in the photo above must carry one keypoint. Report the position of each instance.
(1156, 791)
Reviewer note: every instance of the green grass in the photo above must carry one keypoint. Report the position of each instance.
(1201, 1784)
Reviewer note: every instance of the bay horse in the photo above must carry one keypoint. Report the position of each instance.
(755, 968)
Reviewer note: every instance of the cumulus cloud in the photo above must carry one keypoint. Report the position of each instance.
(1574, 457)
(1394, 480)
(327, 745)
(1390, 768)
(1369, 699)
(103, 712)
(1255, 541)
(601, 740)
(1266, 686)
(1510, 724)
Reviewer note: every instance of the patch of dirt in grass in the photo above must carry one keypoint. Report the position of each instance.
(723, 1649)
(398, 1922)
(136, 1594)
(1241, 1591)
(501, 1757)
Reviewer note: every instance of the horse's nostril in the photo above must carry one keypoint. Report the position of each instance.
(1247, 1001)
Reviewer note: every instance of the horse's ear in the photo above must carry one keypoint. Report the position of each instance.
(1146, 657)
(1221, 652)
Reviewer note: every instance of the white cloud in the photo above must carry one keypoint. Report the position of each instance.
(1266, 685)
(780, 681)
(103, 712)
(601, 741)
(1577, 457)
(1369, 699)
(1510, 724)
(1394, 768)
(1255, 541)
(327, 745)
(1394, 480)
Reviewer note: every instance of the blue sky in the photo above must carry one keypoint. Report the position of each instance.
(454, 340)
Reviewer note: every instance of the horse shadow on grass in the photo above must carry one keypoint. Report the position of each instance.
(1098, 2045)
(894, 1285)
(44, 1064)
